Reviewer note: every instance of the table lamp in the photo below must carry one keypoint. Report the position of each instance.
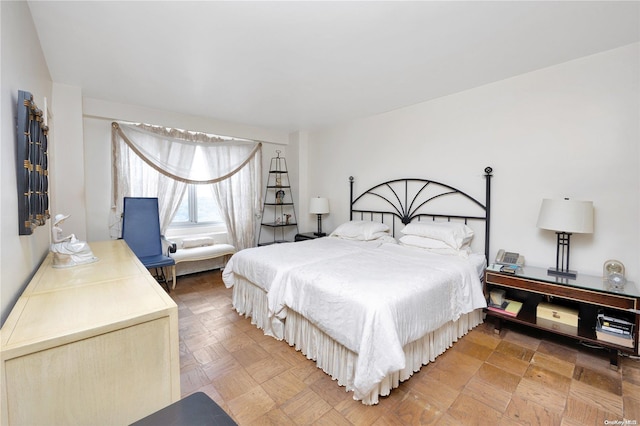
(319, 206)
(565, 217)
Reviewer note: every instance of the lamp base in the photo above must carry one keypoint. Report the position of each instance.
(319, 233)
(562, 273)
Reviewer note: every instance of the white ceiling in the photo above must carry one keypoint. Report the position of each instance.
(305, 65)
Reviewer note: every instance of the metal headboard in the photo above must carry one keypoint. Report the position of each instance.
(411, 199)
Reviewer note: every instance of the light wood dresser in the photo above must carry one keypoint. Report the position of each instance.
(92, 344)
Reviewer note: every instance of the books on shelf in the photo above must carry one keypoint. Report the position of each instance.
(615, 325)
(614, 330)
(513, 308)
(508, 307)
(508, 268)
(616, 339)
(497, 308)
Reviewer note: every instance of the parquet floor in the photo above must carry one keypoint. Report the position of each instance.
(519, 377)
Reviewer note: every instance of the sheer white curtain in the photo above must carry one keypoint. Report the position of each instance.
(137, 163)
(238, 210)
(154, 161)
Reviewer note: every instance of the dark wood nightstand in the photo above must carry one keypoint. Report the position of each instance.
(587, 295)
(306, 236)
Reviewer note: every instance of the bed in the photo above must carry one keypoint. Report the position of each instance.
(254, 271)
(371, 309)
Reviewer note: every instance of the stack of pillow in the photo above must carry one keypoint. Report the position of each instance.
(453, 238)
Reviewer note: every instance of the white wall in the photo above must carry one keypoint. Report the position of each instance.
(298, 158)
(67, 160)
(98, 115)
(570, 130)
(23, 68)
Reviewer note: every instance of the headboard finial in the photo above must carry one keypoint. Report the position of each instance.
(488, 170)
(350, 178)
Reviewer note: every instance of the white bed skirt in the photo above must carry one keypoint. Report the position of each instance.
(251, 301)
(333, 358)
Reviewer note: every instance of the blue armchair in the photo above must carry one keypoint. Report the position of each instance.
(141, 231)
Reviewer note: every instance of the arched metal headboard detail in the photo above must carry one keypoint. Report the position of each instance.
(408, 200)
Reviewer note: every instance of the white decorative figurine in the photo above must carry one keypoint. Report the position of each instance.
(68, 251)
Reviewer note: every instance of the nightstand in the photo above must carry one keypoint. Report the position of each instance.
(306, 236)
(586, 295)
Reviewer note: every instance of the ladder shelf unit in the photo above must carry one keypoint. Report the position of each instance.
(278, 222)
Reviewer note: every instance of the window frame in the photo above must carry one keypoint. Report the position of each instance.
(192, 204)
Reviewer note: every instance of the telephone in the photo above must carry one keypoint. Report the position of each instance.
(509, 258)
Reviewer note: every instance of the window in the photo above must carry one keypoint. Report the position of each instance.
(198, 207)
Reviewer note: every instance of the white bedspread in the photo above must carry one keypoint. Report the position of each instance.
(374, 302)
(265, 265)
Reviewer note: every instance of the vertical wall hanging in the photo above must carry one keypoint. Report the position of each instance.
(32, 165)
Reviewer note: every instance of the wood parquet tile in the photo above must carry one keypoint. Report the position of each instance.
(499, 378)
(520, 377)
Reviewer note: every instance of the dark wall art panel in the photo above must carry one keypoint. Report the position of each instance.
(32, 165)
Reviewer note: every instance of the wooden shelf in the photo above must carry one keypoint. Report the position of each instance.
(586, 294)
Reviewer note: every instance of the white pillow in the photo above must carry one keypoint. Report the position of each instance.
(197, 242)
(455, 234)
(433, 246)
(360, 230)
(423, 242)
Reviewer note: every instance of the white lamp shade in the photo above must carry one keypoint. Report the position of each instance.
(319, 205)
(566, 216)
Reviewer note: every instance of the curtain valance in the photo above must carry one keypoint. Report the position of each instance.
(172, 152)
